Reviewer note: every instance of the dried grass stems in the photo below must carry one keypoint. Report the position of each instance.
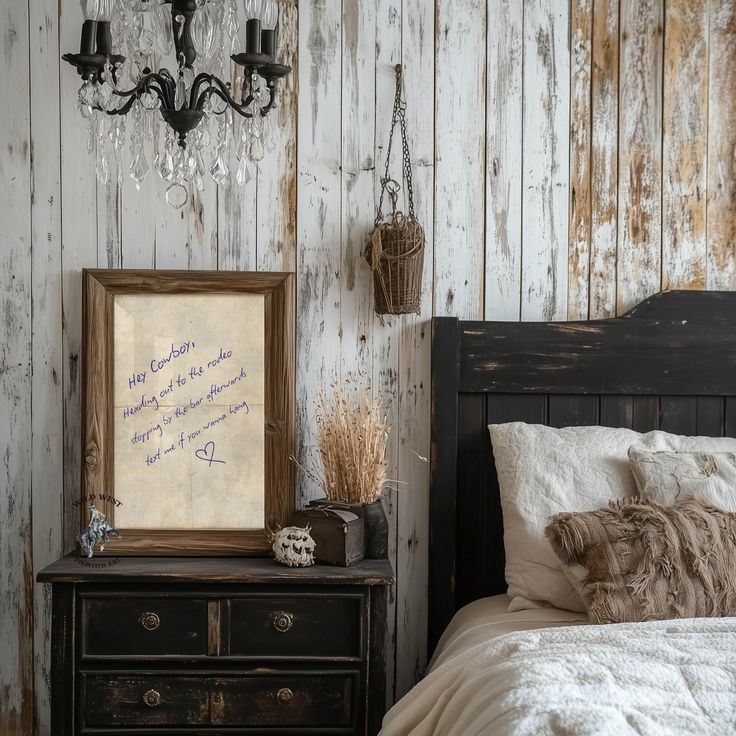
(353, 434)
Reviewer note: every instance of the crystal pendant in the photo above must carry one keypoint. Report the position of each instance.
(255, 149)
(102, 167)
(219, 170)
(232, 24)
(139, 168)
(243, 176)
(177, 196)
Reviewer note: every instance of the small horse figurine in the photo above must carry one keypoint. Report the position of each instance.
(97, 531)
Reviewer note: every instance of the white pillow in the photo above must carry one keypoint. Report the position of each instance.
(544, 471)
(665, 476)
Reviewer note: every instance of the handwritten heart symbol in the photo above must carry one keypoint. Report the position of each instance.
(207, 453)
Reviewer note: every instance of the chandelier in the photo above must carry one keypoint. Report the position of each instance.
(200, 123)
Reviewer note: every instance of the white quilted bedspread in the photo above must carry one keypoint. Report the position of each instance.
(657, 678)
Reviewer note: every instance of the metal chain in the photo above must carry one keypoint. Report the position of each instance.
(387, 183)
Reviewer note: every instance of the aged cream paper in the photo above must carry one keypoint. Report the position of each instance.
(189, 411)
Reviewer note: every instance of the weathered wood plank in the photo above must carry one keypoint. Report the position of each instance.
(685, 144)
(418, 34)
(721, 215)
(459, 116)
(358, 117)
(17, 702)
(79, 250)
(385, 378)
(640, 152)
(692, 358)
(47, 407)
(504, 104)
(545, 160)
(277, 175)
(604, 160)
(318, 221)
(578, 297)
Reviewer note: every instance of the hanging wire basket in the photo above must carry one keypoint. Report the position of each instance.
(396, 248)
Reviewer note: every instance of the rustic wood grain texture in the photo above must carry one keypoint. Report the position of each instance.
(72, 569)
(275, 204)
(604, 160)
(721, 214)
(685, 145)
(545, 160)
(459, 118)
(47, 407)
(504, 106)
(358, 113)
(578, 297)
(319, 198)
(17, 702)
(79, 251)
(414, 382)
(385, 380)
(640, 152)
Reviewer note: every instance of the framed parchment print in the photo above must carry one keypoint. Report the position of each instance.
(188, 409)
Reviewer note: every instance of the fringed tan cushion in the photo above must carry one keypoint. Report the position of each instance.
(647, 562)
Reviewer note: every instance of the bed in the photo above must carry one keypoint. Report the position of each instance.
(669, 364)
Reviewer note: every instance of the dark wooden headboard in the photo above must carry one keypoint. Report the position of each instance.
(670, 364)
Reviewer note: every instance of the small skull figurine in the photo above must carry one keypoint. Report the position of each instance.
(293, 546)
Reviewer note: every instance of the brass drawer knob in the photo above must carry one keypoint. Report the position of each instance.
(152, 698)
(150, 621)
(282, 621)
(285, 695)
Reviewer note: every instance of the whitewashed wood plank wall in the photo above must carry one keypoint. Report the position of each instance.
(570, 158)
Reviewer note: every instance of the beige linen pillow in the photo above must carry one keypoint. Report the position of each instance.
(666, 476)
(544, 471)
(647, 562)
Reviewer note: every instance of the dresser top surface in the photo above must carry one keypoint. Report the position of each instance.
(76, 569)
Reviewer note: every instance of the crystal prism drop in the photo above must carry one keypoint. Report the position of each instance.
(139, 168)
(219, 170)
(256, 152)
(243, 176)
(177, 196)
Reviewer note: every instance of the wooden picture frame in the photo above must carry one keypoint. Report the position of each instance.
(100, 290)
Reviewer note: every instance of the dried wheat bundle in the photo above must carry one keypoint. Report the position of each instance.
(352, 444)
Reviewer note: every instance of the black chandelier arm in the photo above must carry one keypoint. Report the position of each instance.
(159, 83)
(272, 99)
(219, 89)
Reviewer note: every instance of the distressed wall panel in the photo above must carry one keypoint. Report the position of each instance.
(17, 701)
(570, 157)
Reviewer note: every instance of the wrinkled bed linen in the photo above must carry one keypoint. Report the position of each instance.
(663, 678)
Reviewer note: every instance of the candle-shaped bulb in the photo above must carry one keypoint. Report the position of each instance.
(253, 9)
(97, 10)
(270, 16)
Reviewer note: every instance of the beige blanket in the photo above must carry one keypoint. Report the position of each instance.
(660, 678)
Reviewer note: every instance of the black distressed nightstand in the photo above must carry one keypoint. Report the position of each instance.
(217, 645)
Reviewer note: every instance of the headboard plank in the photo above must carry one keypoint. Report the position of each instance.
(670, 363)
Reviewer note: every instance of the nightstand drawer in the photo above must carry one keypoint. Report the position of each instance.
(144, 700)
(284, 699)
(142, 626)
(284, 626)
(274, 700)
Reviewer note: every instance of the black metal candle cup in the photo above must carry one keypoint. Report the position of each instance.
(253, 36)
(268, 43)
(88, 44)
(104, 38)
